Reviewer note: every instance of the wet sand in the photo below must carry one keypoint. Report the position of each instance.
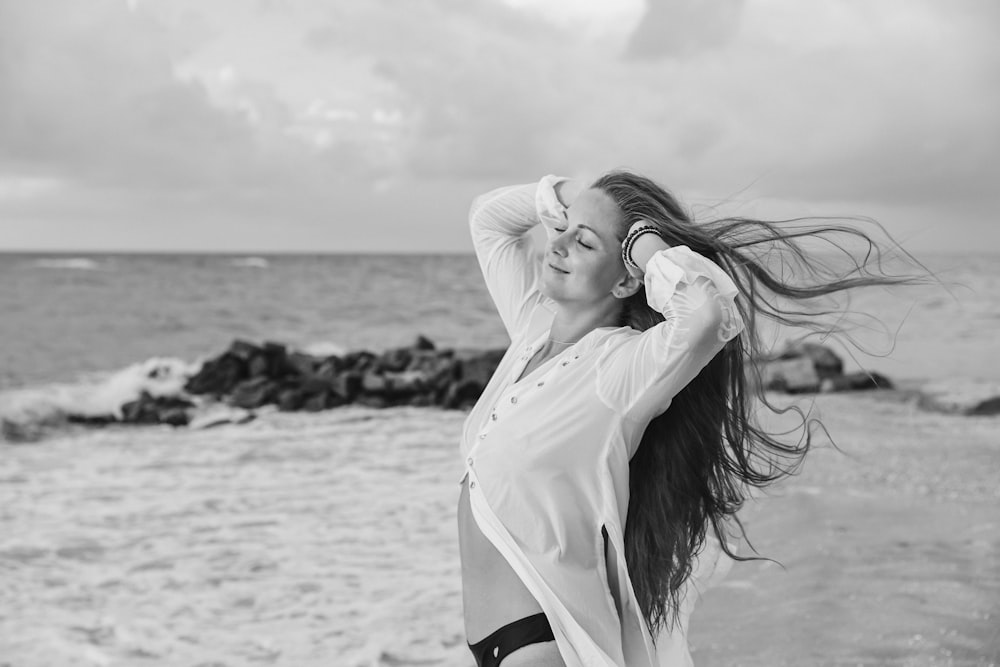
(329, 539)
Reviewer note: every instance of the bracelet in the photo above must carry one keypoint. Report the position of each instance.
(630, 241)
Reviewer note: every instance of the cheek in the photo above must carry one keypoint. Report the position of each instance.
(602, 271)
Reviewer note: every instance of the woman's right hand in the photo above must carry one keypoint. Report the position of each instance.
(567, 191)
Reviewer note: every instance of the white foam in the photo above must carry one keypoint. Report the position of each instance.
(251, 262)
(324, 349)
(159, 376)
(78, 263)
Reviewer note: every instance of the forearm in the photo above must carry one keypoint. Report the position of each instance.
(504, 212)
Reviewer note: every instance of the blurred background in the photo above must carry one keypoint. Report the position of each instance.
(176, 174)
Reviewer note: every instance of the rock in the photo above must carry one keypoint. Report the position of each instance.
(148, 409)
(91, 420)
(347, 385)
(175, 417)
(302, 364)
(394, 361)
(17, 432)
(462, 394)
(360, 361)
(373, 383)
(254, 393)
(243, 350)
(290, 399)
(978, 398)
(322, 401)
(861, 380)
(824, 360)
(258, 366)
(794, 376)
(423, 343)
(217, 376)
(479, 365)
(371, 401)
(329, 367)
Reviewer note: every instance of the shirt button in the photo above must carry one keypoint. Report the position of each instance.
(482, 436)
(493, 416)
(469, 460)
(541, 383)
(513, 399)
(472, 485)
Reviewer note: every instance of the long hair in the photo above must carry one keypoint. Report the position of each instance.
(699, 460)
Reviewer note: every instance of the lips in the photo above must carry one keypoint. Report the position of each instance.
(556, 268)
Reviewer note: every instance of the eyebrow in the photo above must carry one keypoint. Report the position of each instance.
(592, 231)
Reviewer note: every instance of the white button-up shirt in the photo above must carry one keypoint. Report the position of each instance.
(547, 457)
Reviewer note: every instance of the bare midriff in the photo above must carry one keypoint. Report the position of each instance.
(492, 593)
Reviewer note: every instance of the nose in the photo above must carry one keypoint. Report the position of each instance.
(558, 244)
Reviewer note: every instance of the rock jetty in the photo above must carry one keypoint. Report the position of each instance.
(248, 376)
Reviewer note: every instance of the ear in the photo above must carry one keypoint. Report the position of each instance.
(626, 286)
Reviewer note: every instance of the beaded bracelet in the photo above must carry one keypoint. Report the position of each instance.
(630, 241)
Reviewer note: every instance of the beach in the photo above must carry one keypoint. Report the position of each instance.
(329, 539)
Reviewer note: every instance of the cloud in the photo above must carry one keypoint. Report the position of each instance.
(678, 28)
(314, 106)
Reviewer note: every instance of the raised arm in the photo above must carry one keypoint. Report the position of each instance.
(499, 222)
(640, 376)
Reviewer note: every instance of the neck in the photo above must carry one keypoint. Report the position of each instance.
(570, 325)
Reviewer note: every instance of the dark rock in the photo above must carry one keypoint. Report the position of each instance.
(16, 432)
(161, 410)
(175, 417)
(423, 343)
(373, 383)
(797, 375)
(360, 361)
(254, 393)
(291, 399)
(217, 376)
(478, 366)
(462, 394)
(92, 420)
(372, 401)
(980, 398)
(824, 360)
(394, 361)
(985, 408)
(259, 366)
(322, 401)
(243, 350)
(329, 367)
(406, 383)
(347, 385)
(302, 364)
(859, 381)
(421, 401)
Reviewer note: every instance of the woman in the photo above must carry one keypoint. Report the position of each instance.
(617, 429)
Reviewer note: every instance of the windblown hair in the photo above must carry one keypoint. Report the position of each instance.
(699, 460)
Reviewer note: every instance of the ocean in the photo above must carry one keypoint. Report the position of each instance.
(68, 318)
(329, 538)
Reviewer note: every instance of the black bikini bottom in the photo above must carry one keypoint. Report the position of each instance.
(497, 646)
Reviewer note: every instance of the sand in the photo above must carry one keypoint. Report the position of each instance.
(329, 539)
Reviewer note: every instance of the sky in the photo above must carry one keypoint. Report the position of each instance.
(368, 126)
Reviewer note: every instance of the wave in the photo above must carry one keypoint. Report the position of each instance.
(76, 263)
(251, 262)
(26, 413)
(27, 410)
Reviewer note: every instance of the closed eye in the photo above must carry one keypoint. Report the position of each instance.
(563, 229)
